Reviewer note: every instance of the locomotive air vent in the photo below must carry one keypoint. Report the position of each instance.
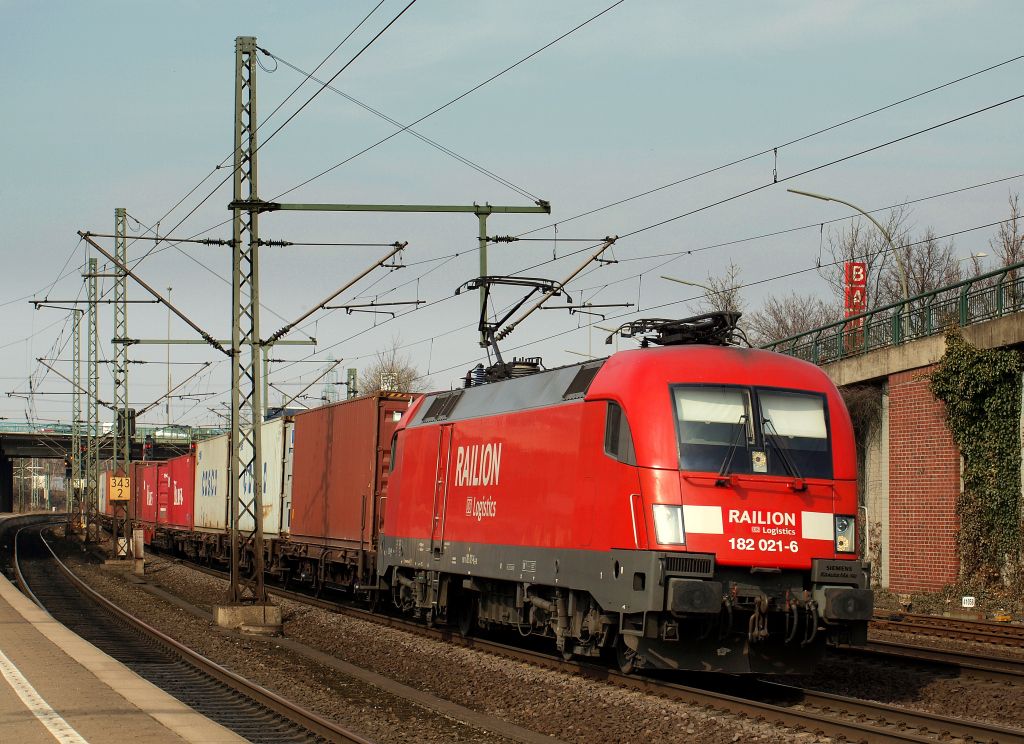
(442, 406)
(578, 387)
(690, 565)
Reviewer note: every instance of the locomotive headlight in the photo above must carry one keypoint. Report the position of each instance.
(668, 523)
(846, 534)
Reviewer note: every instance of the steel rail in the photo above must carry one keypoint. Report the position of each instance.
(931, 726)
(920, 617)
(966, 665)
(980, 631)
(315, 723)
(19, 578)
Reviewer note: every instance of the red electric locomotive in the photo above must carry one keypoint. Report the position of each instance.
(691, 506)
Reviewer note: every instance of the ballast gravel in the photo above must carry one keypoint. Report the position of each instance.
(563, 707)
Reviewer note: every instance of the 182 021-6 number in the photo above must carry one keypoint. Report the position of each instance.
(765, 545)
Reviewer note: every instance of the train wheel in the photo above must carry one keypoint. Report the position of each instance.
(567, 651)
(469, 606)
(624, 656)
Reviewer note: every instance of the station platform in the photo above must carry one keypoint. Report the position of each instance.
(54, 686)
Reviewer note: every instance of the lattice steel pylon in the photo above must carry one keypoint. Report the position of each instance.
(92, 455)
(119, 544)
(245, 480)
(75, 502)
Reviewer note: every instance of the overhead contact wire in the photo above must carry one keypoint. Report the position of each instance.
(712, 170)
(286, 122)
(887, 249)
(454, 100)
(673, 255)
(271, 115)
(423, 138)
(776, 148)
(785, 179)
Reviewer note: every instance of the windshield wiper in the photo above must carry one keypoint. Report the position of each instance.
(773, 438)
(727, 462)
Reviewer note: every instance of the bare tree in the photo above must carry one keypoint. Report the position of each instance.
(723, 292)
(1008, 245)
(392, 371)
(929, 264)
(789, 315)
(924, 263)
(863, 242)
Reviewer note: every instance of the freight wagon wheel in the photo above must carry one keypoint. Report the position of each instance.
(469, 606)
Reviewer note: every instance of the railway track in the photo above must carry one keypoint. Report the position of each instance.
(245, 708)
(978, 631)
(962, 664)
(793, 707)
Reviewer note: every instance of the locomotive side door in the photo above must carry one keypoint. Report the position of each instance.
(444, 461)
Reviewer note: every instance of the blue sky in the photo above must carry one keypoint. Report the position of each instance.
(112, 104)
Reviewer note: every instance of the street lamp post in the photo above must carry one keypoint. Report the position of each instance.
(708, 291)
(690, 284)
(888, 238)
(168, 402)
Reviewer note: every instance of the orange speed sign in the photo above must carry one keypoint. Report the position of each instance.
(120, 488)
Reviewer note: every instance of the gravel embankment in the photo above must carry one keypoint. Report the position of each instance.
(563, 707)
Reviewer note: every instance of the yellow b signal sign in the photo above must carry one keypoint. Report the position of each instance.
(120, 488)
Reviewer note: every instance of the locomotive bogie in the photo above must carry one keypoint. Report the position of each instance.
(571, 618)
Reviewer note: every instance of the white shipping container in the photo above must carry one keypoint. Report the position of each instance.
(273, 480)
(211, 500)
(286, 490)
(211, 496)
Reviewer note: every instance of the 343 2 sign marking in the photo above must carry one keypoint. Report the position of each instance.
(120, 488)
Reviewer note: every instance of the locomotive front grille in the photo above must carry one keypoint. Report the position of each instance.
(690, 565)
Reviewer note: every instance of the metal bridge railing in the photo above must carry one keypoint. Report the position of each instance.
(980, 298)
(159, 433)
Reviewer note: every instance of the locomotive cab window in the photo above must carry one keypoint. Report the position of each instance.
(795, 431)
(713, 423)
(752, 431)
(618, 442)
(394, 452)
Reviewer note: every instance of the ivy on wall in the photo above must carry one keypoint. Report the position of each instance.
(981, 390)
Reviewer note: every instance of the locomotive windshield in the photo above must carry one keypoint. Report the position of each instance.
(728, 429)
